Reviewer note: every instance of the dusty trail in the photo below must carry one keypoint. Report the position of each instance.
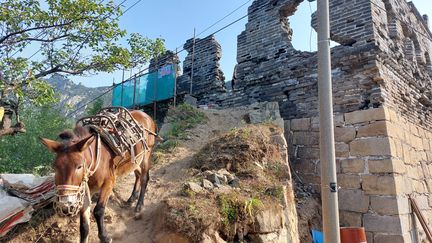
(166, 179)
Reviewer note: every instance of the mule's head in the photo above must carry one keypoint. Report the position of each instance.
(70, 166)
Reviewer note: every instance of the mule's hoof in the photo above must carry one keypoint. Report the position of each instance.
(127, 204)
(138, 216)
(105, 239)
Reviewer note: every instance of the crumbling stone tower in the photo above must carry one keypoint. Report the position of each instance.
(208, 79)
(382, 102)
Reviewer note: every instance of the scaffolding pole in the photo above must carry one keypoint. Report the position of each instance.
(193, 57)
(329, 188)
(121, 95)
(175, 78)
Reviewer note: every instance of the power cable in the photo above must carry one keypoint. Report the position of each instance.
(217, 22)
(226, 16)
(147, 68)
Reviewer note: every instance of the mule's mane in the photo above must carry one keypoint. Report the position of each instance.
(69, 137)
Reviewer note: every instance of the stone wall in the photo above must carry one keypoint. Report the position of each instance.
(381, 160)
(270, 69)
(168, 57)
(207, 76)
(382, 99)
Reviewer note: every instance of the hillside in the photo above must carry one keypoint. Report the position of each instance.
(74, 95)
(254, 203)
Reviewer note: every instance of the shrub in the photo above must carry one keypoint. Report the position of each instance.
(23, 153)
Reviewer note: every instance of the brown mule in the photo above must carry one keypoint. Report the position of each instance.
(84, 164)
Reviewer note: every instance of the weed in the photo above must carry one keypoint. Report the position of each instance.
(252, 206)
(193, 209)
(276, 192)
(187, 192)
(168, 146)
(228, 210)
(157, 156)
(181, 118)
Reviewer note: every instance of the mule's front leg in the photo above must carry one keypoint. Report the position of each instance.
(84, 223)
(99, 212)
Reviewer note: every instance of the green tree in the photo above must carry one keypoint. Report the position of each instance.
(97, 105)
(72, 37)
(24, 153)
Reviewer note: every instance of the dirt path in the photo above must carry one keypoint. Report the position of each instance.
(166, 179)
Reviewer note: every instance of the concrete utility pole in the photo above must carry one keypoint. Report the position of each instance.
(329, 188)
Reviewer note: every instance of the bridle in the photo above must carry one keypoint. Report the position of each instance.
(77, 194)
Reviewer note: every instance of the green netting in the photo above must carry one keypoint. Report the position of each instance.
(146, 89)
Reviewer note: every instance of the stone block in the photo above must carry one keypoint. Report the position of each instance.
(305, 138)
(384, 238)
(350, 219)
(382, 223)
(374, 129)
(386, 166)
(370, 147)
(348, 181)
(369, 237)
(305, 166)
(344, 134)
(302, 124)
(379, 184)
(338, 119)
(352, 165)
(287, 126)
(385, 205)
(353, 201)
(315, 124)
(308, 153)
(342, 150)
(264, 238)
(268, 220)
(376, 114)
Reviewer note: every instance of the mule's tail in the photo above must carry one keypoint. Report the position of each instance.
(159, 138)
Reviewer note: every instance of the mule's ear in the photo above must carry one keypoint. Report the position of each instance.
(84, 143)
(52, 145)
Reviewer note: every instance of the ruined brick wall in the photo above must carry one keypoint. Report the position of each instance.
(270, 69)
(168, 57)
(404, 60)
(207, 76)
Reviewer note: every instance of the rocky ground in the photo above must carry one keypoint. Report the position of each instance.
(176, 178)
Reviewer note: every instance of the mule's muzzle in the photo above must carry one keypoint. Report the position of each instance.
(69, 200)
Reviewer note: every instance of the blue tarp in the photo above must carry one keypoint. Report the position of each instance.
(147, 88)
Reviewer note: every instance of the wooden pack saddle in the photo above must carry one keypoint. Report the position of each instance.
(119, 130)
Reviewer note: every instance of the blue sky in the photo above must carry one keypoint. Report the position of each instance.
(175, 21)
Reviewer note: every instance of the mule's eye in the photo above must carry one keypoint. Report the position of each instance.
(79, 167)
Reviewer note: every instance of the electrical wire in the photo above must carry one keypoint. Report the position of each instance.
(147, 68)
(226, 16)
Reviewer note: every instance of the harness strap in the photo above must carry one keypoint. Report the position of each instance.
(88, 171)
(68, 187)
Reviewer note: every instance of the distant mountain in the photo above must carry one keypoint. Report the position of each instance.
(73, 96)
